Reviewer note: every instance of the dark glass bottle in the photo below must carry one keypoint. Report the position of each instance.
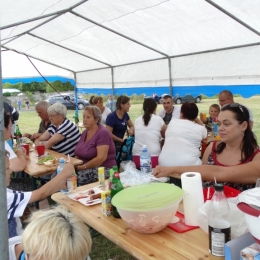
(219, 226)
(17, 133)
(115, 188)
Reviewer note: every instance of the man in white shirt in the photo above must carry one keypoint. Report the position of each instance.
(169, 111)
(226, 97)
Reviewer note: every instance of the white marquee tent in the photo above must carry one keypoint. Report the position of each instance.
(136, 43)
(122, 43)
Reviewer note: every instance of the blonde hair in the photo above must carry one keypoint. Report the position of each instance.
(56, 234)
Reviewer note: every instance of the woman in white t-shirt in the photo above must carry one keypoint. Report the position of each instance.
(183, 139)
(149, 128)
(105, 111)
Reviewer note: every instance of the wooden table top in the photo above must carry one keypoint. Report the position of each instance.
(166, 244)
(36, 170)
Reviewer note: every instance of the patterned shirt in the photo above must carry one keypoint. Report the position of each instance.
(71, 137)
(212, 160)
(16, 203)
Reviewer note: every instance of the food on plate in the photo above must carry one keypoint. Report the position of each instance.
(78, 197)
(45, 159)
(91, 192)
(89, 202)
(95, 196)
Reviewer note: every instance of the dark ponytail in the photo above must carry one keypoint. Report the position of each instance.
(149, 106)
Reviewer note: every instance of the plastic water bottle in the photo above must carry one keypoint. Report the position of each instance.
(219, 226)
(59, 169)
(215, 126)
(145, 160)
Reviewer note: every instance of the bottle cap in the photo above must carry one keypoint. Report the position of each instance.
(62, 160)
(144, 146)
(218, 186)
(115, 168)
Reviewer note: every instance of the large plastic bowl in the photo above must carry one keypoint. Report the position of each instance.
(148, 208)
(253, 224)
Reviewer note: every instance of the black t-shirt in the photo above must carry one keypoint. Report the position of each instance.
(167, 118)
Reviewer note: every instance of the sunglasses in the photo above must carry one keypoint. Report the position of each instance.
(239, 106)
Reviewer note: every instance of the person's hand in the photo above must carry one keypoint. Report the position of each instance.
(35, 136)
(68, 170)
(20, 152)
(27, 135)
(162, 171)
(131, 131)
(201, 117)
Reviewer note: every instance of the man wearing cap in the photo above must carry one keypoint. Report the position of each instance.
(169, 111)
(226, 97)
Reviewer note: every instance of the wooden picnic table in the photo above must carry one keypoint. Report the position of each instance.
(166, 244)
(36, 170)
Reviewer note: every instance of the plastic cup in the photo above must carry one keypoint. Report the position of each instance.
(204, 115)
(40, 149)
(26, 147)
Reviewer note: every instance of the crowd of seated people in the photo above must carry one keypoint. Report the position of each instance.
(233, 160)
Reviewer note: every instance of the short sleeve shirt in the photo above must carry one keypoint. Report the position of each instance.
(119, 125)
(42, 127)
(106, 112)
(16, 203)
(71, 134)
(86, 151)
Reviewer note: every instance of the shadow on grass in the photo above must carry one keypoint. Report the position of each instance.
(103, 249)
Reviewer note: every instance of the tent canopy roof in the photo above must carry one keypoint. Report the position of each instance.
(88, 35)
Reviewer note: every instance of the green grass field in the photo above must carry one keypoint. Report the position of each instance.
(104, 249)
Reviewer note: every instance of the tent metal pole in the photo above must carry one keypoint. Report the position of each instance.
(120, 34)
(233, 17)
(181, 55)
(113, 82)
(22, 53)
(76, 99)
(3, 212)
(170, 75)
(44, 16)
(63, 47)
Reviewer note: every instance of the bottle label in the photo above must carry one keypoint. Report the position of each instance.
(145, 165)
(217, 239)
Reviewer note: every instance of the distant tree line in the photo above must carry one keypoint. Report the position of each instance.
(42, 87)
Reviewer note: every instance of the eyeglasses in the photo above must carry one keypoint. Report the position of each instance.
(240, 108)
(51, 116)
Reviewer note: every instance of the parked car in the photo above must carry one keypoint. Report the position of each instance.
(177, 98)
(68, 101)
(187, 98)
(157, 98)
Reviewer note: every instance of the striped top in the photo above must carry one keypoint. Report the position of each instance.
(16, 204)
(71, 134)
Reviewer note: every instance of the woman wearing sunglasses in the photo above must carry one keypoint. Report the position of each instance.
(234, 160)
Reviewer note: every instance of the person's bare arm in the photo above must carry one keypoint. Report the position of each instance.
(18, 163)
(131, 130)
(206, 154)
(35, 136)
(197, 121)
(244, 173)
(44, 137)
(54, 140)
(102, 152)
(115, 138)
(54, 185)
(163, 130)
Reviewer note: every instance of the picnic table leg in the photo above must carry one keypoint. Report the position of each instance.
(34, 185)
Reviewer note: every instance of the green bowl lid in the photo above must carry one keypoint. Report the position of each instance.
(146, 197)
